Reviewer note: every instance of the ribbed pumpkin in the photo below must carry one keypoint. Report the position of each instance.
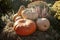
(24, 27)
(40, 7)
(43, 24)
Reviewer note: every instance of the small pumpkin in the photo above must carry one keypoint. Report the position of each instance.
(43, 24)
(24, 27)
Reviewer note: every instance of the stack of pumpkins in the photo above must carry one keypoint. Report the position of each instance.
(27, 20)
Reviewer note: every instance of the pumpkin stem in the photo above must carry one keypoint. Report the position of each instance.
(20, 10)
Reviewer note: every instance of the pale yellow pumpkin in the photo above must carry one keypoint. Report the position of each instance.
(29, 13)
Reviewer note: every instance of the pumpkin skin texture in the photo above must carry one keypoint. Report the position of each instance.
(41, 8)
(24, 27)
(43, 24)
(29, 13)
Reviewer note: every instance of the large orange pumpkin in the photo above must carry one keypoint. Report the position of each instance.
(43, 24)
(24, 27)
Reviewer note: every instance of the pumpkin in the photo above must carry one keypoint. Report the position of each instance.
(40, 7)
(24, 27)
(43, 24)
(29, 13)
